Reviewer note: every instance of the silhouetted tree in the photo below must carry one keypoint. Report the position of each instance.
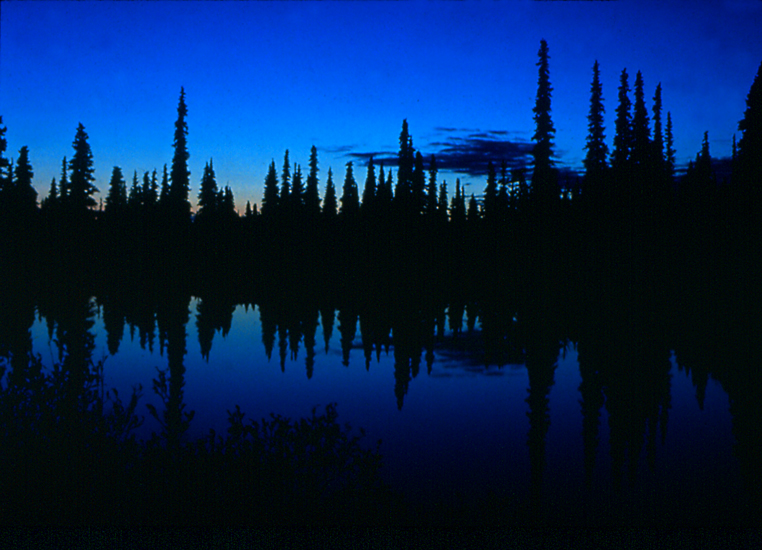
(748, 170)
(134, 200)
(543, 180)
(329, 201)
(164, 193)
(641, 132)
(180, 175)
(369, 191)
(669, 153)
(311, 192)
(405, 159)
(490, 193)
(63, 185)
(350, 200)
(597, 150)
(285, 182)
(23, 196)
(116, 200)
(270, 197)
(51, 201)
(658, 141)
(431, 189)
(297, 191)
(442, 208)
(81, 188)
(473, 210)
(623, 127)
(5, 165)
(418, 186)
(207, 195)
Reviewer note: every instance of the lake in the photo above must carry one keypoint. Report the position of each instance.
(481, 410)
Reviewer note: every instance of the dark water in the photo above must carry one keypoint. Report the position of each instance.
(479, 411)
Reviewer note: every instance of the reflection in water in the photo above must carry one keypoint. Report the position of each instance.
(624, 361)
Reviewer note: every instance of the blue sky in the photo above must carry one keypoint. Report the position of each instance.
(263, 77)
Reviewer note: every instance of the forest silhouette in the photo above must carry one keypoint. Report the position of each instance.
(630, 262)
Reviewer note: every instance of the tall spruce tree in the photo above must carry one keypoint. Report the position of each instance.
(669, 153)
(297, 191)
(179, 189)
(164, 193)
(597, 150)
(369, 191)
(329, 201)
(543, 184)
(350, 200)
(24, 195)
(81, 188)
(490, 194)
(63, 185)
(116, 200)
(658, 141)
(270, 198)
(285, 179)
(312, 192)
(135, 198)
(5, 165)
(431, 188)
(749, 155)
(641, 132)
(208, 192)
(622, 126)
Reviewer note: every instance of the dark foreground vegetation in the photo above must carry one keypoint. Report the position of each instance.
(70, 457)
(613, 260)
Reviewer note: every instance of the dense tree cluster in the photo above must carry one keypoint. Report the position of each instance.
(628, 199)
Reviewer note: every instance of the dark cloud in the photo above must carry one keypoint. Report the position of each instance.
(467, 152)
(464, 151)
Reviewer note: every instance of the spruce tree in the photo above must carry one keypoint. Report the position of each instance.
(405, 160)
(164, 193)
(24, 195)
(622, 125)
(297, 191)
(51, 201)
(490, 193)
(81, 188)
(473, 210)
(669, 153)
(350, 200)
(179, 189)
(270, 197)
(208, 192)
(431, 189)
(312, 192)
(5, 165)
(641, 132)
(418, 187)
(135, 199)
(369, 190)
(658, 141)
(749, 154)
(285, 178)
(597, 150)
(442, 209)
(116, 200)
(63, 186)
(543, 183)
(329, 201)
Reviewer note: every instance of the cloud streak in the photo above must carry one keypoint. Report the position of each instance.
(461, 150)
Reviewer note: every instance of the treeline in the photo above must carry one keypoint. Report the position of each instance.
(627, 212)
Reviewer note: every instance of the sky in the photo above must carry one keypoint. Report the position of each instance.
(263, 77)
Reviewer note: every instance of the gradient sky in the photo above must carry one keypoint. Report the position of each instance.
(263, 77)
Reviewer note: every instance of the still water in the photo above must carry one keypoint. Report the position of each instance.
(455, 430)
